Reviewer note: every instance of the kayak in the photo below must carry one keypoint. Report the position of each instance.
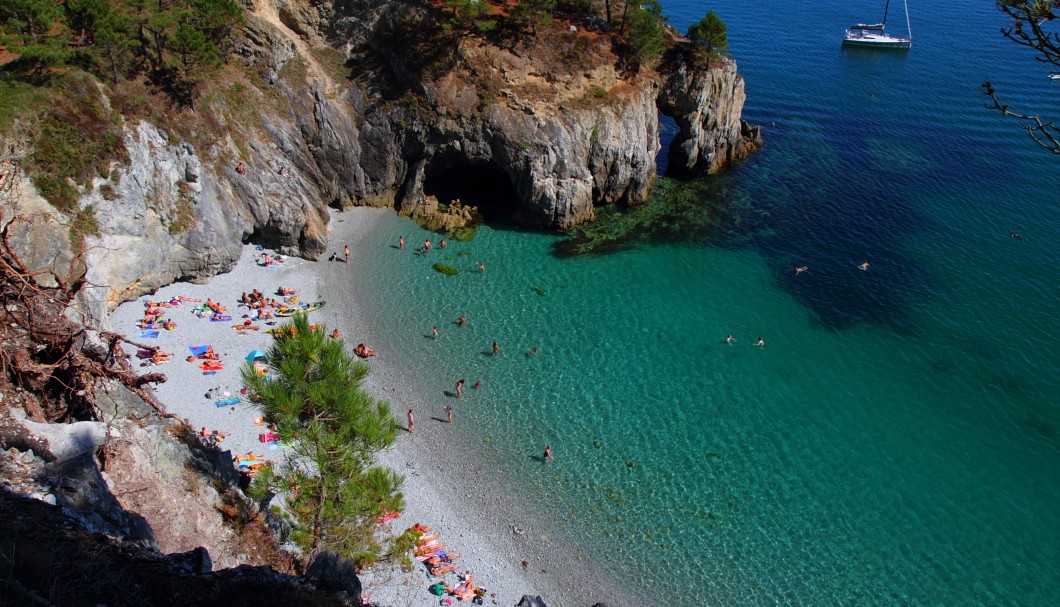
(292, 310)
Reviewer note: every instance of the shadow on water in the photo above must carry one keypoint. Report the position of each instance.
(828, 211)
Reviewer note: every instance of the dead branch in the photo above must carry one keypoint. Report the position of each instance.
(42, 348)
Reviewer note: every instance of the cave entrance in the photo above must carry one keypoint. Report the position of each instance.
(480, 184)
(668, 131)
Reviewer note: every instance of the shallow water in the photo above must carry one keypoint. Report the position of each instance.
(897, 439)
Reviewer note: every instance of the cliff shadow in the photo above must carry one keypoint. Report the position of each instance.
(483, 184)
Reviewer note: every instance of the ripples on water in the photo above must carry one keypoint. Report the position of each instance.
(897, 440)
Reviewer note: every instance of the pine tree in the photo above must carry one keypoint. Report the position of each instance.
(710, 33)
(311, 396)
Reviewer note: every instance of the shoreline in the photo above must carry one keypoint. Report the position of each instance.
(511, 551)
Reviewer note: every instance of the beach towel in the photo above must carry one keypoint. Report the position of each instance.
(225, 402)
(209, 372)
(149, 334)
(220, 318)
(386, 518)
(142, 354)
(268, 437)
(197, 351)
(211, 365)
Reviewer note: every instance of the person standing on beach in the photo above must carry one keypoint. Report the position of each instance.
(412, 422)
(346, 252)
(548, 453)
(460, 388)
(449, 413)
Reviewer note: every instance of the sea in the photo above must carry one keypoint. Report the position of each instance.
(895, 441)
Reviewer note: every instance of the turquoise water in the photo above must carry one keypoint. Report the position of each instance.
(897, 439)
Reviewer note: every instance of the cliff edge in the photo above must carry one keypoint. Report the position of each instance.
(336, 104)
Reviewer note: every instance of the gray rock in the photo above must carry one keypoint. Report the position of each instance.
(192, 562)
(333, 573)
(706, 104)
(58, 442)
(179, 213)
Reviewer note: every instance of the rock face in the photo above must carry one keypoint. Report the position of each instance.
(544, 139)
(706, 104)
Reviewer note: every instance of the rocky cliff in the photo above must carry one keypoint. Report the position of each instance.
(327, 104)
(372, 103)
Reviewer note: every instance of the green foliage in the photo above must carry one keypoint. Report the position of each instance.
(445, 269)
(531, 13)
(182, 218)
(469, 16)
(710, 33)
(641, 37)
(172, 43)
(76, 142)
(313, 399)
(20, 101)
(84, 223)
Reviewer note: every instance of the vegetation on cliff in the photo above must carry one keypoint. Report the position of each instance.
(169, 43)
(311, 395)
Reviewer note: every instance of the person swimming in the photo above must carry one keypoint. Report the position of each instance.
(801, 269)
(863, 266)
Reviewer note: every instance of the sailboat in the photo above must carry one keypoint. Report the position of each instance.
(873, 34)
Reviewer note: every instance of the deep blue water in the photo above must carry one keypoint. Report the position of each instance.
(897, 439)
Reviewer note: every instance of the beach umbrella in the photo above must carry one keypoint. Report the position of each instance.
(255, 355)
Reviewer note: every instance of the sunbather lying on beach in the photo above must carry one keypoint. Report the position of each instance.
(363, 351)
(218, 435)
(286, 291)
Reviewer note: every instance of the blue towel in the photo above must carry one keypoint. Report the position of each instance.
(220, 318)
(225, 402)
(197, 350)
(152, 334)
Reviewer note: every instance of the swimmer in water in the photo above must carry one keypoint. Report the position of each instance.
(760, 342)
(863, 266)
(801, 269)
(1016, 236)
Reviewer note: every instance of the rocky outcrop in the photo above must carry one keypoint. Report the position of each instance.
(543, 140)
(706, 102)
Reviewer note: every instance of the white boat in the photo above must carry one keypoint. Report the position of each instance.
(1054, 75)
(873, 34)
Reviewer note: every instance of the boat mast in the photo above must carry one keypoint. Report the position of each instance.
(886, 5)
(908, 27)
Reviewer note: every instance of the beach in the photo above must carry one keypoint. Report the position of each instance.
(510, 550)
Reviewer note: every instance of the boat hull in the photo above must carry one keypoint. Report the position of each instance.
(876, 41)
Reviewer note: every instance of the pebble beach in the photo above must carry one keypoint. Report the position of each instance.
(510, 551)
